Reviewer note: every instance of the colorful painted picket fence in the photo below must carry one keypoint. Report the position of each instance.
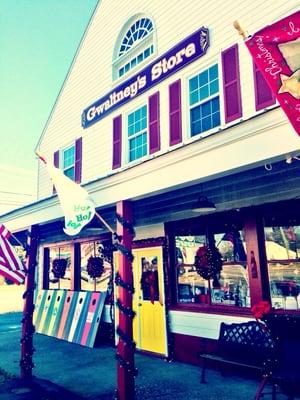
(68, 315)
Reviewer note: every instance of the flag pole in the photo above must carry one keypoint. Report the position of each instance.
(105, 223)
(240, 29)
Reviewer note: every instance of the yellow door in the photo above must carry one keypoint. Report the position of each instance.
(149, 324)
(149, 327)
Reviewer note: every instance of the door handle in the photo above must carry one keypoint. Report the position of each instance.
(140, 304)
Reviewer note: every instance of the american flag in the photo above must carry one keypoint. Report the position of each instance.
(10, 264)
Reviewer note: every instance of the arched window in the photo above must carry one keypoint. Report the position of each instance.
(133, 47)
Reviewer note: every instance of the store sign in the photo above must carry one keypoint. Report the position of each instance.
(185, 52)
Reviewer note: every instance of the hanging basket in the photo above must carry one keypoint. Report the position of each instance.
(95, 267)
(59, 266)
(208, 263)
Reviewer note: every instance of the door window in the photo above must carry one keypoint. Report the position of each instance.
(149, 279)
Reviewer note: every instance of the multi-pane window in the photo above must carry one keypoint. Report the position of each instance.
(135, 46)
(136, 60)
(283, 252)
(204, 101)
(137, 134)
(69, 162)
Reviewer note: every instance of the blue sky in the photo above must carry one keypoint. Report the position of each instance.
(38, 40)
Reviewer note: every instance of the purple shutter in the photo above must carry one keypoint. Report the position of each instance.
(175, 113)
(117, 142)
(78, 160)
(56, 159)
(154, 128)
(56, 164)
(231, 84)
(264, 96)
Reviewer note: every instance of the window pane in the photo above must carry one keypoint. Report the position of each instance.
(149, 279)
(203, 92)
(203, 78)
(283, 249)
(194, 97)
(213, 87)
(206, 124)
(191, 288)
(213, 72)
(193, 83)
(140, 58)
(216, 119)
(282, 242)
(215, 104)
(234, 287)
(70, 173)
(60, 253)
(94, 249)
(284, 280)
(69, 157)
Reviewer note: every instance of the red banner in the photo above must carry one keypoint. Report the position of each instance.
(276, 52)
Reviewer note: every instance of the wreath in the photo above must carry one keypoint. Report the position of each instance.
(95, 267)
(59, 266)
(208, 263)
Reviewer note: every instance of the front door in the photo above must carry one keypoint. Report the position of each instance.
(149, 326)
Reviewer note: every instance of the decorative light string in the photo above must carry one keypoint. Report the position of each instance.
(119, 282)
(129, 287)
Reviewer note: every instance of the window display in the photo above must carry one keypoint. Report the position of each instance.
(60, 268)
(91, 278)
(283, 250)
(230, 286)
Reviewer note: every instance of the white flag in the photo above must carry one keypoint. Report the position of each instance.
(77, 207)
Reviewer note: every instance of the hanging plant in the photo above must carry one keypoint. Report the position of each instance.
(59, 266)
(95, 267)
(208, 263)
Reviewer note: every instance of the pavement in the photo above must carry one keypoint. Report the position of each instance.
(66, 371)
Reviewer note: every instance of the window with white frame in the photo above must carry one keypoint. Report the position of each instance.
(137, 134)
(204, 101)
(68, 162)
(134, 47)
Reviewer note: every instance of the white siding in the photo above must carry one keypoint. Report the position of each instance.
(199, 324)
(91, 75)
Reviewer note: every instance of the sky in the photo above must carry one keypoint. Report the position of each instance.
(38, 40)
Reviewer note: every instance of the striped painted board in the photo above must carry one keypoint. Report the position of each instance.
(89, 317)
(54, 318)
(65, 313)
(82, 318)
(93, 321)
(77, 314)
(70, 314)
(45, 326)
(39, 306)
(44, 311)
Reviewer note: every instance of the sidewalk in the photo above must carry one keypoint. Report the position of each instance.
(68, 371)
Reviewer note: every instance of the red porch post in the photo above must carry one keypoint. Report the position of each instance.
(125, 352)
(26, 363)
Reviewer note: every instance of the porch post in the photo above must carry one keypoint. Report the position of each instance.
(256, 259)
(26, 363)
(125, 351)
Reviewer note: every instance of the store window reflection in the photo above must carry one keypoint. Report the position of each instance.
(94, 249)
(234, 280)
(60, 255)
(283, 250)
(233, 285)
